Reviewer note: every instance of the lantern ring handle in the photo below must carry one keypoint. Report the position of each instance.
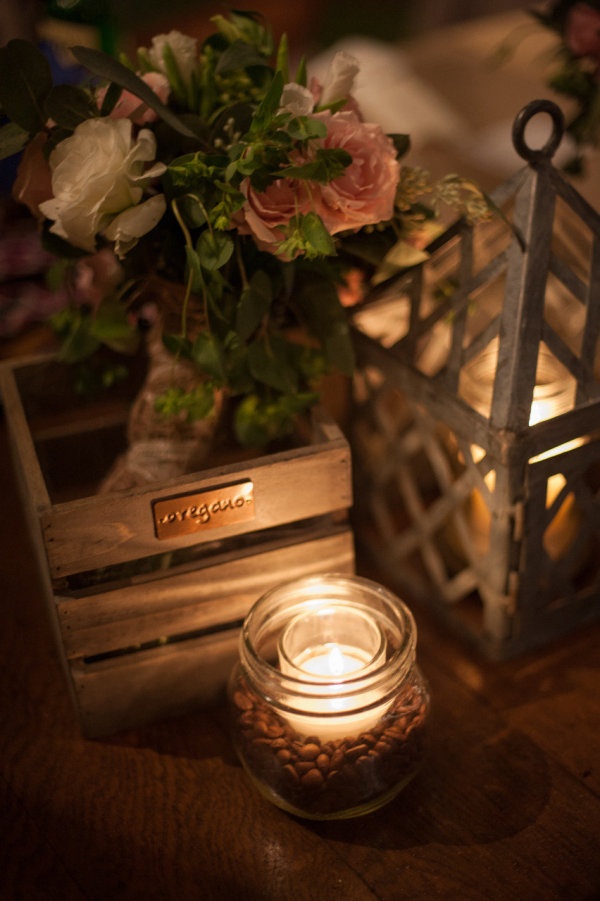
(521, 121)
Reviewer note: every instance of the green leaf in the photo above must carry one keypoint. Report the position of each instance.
(401, 143)
(301, 73)
(258, 422)
(69, 106)
(319, 308)
(192, 210)
(111, 98)
(12, 139)
(74, 328)
(111, 326)
(207, 354)
(306, 128)
(316, 235)
(178, 345)
(239, 55)
(283, 58)
(269, 105)
(255, 302)
(327, 165)
(270, 363)
(112, 70)
(197, 403)
(25, 82)
(214, 249)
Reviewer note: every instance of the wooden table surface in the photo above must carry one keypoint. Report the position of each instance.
(506, 806)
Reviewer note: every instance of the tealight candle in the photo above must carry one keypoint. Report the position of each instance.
(321, 649)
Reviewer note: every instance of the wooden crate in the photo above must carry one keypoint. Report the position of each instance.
(146, 622)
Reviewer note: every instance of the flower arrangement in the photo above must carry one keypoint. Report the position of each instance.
(207, 189)
(576, 72)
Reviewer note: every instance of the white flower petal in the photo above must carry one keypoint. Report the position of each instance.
(130, 225)
(340, 78)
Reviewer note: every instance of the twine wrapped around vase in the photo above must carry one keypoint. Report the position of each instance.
(161, 447)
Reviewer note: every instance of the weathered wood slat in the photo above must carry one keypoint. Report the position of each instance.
(175, 604)
(135, 689)
(109, 529)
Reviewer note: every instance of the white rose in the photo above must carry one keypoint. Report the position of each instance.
(98, 173)
(340, 78)
(183, 48)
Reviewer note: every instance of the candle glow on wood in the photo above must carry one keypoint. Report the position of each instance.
(326, 649)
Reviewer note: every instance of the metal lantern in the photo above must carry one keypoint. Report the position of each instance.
(476, 429)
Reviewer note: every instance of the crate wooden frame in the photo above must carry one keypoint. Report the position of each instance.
(414, 432)
(139, 643)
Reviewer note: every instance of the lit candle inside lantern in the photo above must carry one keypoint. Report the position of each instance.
(552, 395)
(327, 651)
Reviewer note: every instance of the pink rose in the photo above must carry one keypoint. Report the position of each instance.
(128, 106)
(266, 215)
(364, 194)
(33, 184)
(583, 31)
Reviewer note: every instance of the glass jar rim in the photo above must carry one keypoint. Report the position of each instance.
(277, 607)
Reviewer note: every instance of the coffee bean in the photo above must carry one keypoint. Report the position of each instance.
(242, 700)
(312, 779)
(310, 751)
(323, 762)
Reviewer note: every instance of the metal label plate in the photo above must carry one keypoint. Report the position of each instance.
(184, 514)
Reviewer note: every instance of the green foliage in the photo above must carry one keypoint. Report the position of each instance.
(258, 422)
(83, 331)
(198, 403)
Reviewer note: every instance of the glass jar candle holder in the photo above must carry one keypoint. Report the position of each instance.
(328, 706)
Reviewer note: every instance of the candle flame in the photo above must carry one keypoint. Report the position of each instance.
(336, 661)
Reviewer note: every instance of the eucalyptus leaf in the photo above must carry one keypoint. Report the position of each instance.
(112, 70)
(25, 82)
(111, 98)
(192, 210)
(69, 106)
(214, 249)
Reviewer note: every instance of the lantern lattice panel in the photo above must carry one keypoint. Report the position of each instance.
(476, 431)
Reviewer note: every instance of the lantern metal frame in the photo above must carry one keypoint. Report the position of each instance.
(422, 450)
